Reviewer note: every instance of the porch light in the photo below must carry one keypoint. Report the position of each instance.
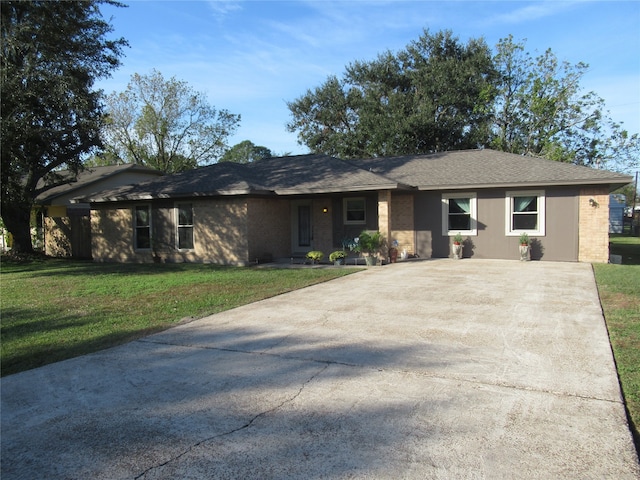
(325, 209)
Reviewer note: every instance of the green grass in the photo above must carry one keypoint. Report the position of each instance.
(52, 310)
(619, 288)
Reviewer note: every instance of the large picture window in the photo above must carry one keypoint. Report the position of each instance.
(142, 227)
(459, 214)
(355, 211)
(185, 226)
(525, 212)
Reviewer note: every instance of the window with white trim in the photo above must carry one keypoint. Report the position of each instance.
(525, 212)
(142, 229)
(459, 213)
(184, 226)
(355, 211)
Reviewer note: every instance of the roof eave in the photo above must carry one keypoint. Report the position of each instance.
(351, 188)
(612, 183)
(164, 196)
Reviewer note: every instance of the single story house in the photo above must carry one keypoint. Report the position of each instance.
(66, 226)
(283, 207)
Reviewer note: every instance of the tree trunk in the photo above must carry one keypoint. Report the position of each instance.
(17, 220)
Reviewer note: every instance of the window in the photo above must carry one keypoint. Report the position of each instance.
(185, 226)
(355, 211)
(525, 213)
(459, 214)
(143, 227)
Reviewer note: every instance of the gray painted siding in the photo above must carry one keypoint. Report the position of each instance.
(560, 242)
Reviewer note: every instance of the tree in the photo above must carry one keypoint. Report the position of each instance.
(434, 95)
(165, 124)
(541, 111)
(246, 152)
(52, 53)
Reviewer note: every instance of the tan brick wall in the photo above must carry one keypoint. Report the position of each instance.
(220, 231)
(593, 225)
(402, 226)
(269, 228)
(385, 209)
(112, 235)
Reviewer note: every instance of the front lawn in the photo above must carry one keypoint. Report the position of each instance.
(57, 309)
(619, 289)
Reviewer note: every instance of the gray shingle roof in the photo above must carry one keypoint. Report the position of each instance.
(303, 174)
(307, 174)
(486, 169)
(86, 177)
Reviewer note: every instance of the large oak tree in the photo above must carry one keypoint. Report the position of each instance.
(434, 95)
(52, 53)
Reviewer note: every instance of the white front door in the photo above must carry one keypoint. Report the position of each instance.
(301, 227)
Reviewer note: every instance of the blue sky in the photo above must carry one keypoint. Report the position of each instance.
(251, 57)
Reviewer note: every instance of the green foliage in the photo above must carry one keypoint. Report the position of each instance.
(438, 94)
(524, 239)
(246, 152)
(82, 307)
(337, 255)
(166, 125)
(540, 111)
(426, 98)
(315, 256)
(369, 243)
(457, 239)
(52, 53)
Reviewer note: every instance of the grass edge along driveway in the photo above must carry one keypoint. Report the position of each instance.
(619, 291)
(56, 309)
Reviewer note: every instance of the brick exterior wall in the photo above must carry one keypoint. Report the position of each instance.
(384, 215)
(112, 234)
(220, 231)
(402, 226)
(593, 225)
(269, 229)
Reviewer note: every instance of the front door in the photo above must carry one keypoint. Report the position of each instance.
(301, 227)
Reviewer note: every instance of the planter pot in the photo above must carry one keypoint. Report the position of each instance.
(456, 249)
(393, 255)
(525, 253)
(338, 262)
(370, 260)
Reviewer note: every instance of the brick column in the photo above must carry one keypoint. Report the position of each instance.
(384, 214)
(593, 225)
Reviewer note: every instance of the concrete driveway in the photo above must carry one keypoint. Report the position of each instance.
(438, 369)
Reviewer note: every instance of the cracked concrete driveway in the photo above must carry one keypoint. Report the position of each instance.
(434, 369)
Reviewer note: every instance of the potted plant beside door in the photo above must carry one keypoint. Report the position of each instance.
(524, 248)
(368, 244)
(456, 248)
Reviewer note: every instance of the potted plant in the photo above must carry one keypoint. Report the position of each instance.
(524, 245)
(393, 252)
(456, 248)
(369, 244)
(337, 257)
(315, 256)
